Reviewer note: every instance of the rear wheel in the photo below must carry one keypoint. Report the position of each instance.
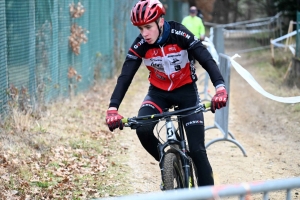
(172, 174)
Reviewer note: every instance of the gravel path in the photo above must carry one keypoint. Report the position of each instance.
(269, 132)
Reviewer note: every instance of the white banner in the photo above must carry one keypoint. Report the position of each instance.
(249, 78)
(211, 48)
(276, 41)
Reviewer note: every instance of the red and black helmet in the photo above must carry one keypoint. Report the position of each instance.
(146, 11)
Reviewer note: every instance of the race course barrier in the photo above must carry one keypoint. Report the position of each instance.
(276, 42)
(204, 77)
(222, 115)
(243, 191)
(252, 82)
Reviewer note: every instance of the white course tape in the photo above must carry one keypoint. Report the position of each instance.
(291, 47)
(249, 78)
(211, 48)
(283, 37)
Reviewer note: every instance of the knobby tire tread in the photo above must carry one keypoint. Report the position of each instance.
(171, 163)
(193, 173)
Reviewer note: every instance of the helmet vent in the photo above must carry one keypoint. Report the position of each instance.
(152, 15)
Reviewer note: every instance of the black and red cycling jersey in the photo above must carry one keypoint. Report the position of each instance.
(170, 65)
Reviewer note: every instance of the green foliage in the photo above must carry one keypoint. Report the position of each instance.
(296, 107)
(287, 7)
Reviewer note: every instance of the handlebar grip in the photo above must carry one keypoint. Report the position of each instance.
(207, 105)
(124, 120)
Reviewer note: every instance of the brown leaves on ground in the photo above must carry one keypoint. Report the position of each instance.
(50, 174)
(73, 158)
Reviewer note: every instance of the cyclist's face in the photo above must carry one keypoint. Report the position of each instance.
(150, 31)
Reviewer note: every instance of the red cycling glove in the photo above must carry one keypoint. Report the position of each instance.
(219, 100)
(113, 120)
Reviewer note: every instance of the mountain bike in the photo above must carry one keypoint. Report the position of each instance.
(177, 167)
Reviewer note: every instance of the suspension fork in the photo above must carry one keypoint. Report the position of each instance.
(183, 146)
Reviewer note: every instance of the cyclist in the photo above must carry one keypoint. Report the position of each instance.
(168, 50)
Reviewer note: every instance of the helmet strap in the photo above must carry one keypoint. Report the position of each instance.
(160, 29)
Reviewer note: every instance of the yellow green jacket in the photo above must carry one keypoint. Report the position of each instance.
(195, 25)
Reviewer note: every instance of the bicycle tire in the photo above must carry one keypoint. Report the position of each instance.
(193, 182)
(172, 172)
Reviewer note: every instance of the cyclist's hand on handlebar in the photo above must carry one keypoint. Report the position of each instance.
(113, 120)
(219, 100)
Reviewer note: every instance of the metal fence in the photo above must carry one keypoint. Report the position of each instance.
(251, 35)
(238, 37)
(222, 115)
(3, 61)
(40, 63)
(241, 191)
(56, 48)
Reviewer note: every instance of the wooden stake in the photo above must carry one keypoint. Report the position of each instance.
(290, 29)
(287, 71)
(272, 52)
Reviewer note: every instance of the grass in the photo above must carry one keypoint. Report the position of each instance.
(262, 61)
(296, 108)
(271, 77)
(66, 153)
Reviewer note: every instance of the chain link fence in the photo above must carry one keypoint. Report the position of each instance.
(52, 49)
(3, 74)
(55, 48)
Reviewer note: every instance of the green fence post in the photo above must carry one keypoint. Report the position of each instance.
(32, 48)
(3, 58)
(298, 36)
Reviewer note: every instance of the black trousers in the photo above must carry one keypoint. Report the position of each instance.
(186, 96)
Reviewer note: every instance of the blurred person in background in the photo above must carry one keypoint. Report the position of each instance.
(194, 23)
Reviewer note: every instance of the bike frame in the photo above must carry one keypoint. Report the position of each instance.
(175, 137)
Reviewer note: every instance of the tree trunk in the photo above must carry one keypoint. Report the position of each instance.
(192, 2)
(236, 10)
(293, 76)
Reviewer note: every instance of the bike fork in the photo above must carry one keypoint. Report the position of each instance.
(160, 149)
(185, 164)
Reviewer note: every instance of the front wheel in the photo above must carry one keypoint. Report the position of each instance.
(193, 175)
(172, 175)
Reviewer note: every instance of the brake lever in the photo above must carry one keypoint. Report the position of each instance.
(133, 124)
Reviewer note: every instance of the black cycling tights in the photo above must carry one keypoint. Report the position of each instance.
(195, 136)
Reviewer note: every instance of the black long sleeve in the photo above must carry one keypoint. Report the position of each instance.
(202, 55)
(129, 69)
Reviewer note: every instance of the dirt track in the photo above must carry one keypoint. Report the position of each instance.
(269, 132)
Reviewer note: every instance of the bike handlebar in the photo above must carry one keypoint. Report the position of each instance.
(133, 121)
